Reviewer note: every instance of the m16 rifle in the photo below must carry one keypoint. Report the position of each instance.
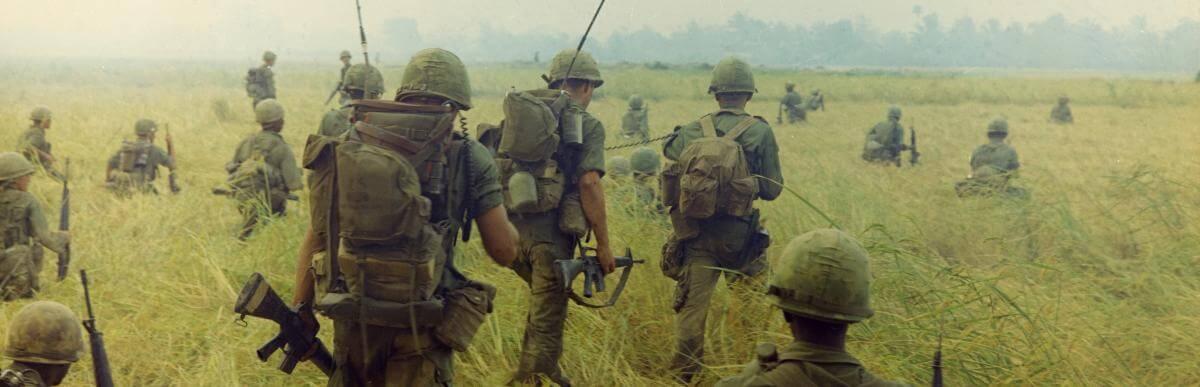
(64, 222)
(593, 275)
(100, 368)
(295, 337)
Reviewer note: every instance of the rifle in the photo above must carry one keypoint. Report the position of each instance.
(296, 340)
(593, 275)
(100, 368)
(335, 91)
(779, 115)
(937, 364)
(914, 155)
(64, 222)
(171, 178)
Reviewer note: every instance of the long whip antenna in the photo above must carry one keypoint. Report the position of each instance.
(582, 40)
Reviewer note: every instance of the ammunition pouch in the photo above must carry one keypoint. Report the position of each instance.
(571, 219)
(466, 309)
(370, 311)
(672, 258)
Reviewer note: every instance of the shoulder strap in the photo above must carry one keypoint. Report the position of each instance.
(707, 127)
(740, 128)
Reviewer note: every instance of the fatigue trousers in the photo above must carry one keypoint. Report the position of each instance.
(251, 207)
(542, 345)
(693, 294)
(393, 357)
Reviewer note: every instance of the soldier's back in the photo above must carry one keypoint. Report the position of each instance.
(996, 154)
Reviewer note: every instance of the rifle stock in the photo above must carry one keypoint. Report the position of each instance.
(100, 368)
(295, 339)
(64, 222)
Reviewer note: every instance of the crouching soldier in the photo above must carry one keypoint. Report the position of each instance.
(23, 223)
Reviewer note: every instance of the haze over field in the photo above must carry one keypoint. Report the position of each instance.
(1154, 35)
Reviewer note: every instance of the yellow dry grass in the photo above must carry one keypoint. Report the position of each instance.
(1092, 282)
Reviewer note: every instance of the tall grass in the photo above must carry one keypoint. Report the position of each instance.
(1091, 282)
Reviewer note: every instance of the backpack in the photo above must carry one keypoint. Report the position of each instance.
(253, 79)
(536, 123)
(133, 156)
(373, 193)
(712, 175)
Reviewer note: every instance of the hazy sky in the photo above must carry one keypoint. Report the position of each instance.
(242, 28)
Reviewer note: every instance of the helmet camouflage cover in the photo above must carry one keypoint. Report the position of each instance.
(361, 74)
(645, 160)
(732, 75)
(998, 126)
(40, 113)
(585, 67)
(268, 111)
(437, 72)
(635, 101)
(45, 332)
(824, 275)
(13, 165)
(619, 166)
(144, 127)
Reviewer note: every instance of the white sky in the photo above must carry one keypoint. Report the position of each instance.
(242, 28)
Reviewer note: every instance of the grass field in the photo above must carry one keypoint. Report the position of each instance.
(1094, 281)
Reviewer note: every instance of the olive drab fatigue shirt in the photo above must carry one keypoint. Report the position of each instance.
(25, 212)
(34, 146)
(805, 364)
(762, 155)
(155, 157)
(276, 153)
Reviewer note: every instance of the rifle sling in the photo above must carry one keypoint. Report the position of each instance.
(612, 300)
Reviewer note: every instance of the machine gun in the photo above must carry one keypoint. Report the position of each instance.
(593, 275)
(100, 368)
(258, 299)
(64, 222)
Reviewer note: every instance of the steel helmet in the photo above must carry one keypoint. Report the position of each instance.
(635, 102)
(645, 160)
(45, 332)
(585, 68)
(40, 113)
(361, 74)
(268, 111)
(825, 275)
(998, 126)
(437, 72)
(268, 56)
(619, 166)
(732, 75)
(13, 165)
(894, 112)
(144, 127)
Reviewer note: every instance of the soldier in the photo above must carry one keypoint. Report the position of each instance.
(817, 101)
(713, 230)
(992, 165)
(542, 239)
(360, 82)
(822, 285)
(645, 163)
(263, 171)
(135, 165)
(44, 339)
(636, 122)
(345, 58)
(793, 104)
(260, 81)
(1061, 114)
(885, 141)
(396, 352)
(33, 144)
(24, 222)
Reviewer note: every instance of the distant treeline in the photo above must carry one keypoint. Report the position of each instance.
(1053, 43)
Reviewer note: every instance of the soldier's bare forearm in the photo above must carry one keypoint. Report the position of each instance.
(304, 277)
